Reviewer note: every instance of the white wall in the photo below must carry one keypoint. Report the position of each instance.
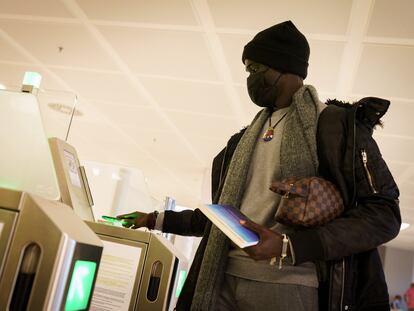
(118, 190)
(399, 270)
(412, 275)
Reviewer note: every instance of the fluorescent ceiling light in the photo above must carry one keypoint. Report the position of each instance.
(116, 176)
(404, 226)
(96, 171)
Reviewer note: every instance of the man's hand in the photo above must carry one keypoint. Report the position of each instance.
(134, 220)
(270, 244)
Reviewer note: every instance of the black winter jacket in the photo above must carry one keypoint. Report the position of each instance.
(350, 270)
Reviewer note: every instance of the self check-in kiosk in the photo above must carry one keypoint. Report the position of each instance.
(71, 176)
(139, 270)
(49, 258)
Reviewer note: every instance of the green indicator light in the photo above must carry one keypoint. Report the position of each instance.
(32, 78)
(115, 221)
(180, 284)
(80, 285)
(8, 185)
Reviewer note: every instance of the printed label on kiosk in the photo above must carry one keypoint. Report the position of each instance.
(72, 168)
(115, 281)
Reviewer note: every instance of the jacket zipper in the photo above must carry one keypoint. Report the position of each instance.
(364, 157)
(343, 285)
(353, 202)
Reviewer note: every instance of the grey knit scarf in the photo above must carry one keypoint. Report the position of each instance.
(298, 157)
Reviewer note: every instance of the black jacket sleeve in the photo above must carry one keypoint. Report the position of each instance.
(188, 222)
(370, 218)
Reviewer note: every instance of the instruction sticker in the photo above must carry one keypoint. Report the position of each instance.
(73, 169)
(116, 277)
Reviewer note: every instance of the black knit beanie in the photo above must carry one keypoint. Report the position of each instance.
(282, 47)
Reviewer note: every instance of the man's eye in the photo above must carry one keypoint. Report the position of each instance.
(252, 69)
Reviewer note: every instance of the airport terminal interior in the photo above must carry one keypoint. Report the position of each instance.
(111, 107)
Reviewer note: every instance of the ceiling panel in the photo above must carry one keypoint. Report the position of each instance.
(161, 52)
(160, 187)
(410, 182)
(44, 40)
(87, 150)
(207, 148)
(205, 126)
(9, 53)
(96, 134)
(398, 119)
(34, 7)
(185, 191)
(99, 86)
(392, 19)
(386, 71)
(396, 148)
(165, 146)
(125, 154)
(245, 14)
(102, 143)
(407, 193)
(209, 98)
(324, 65)
(233, 45)
(137, 116)
(397, 169)
(140, 11)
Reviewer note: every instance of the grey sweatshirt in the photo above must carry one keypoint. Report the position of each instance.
(260, 205)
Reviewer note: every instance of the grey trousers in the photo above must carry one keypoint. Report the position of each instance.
(239, 294)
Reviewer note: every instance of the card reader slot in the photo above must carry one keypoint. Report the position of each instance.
(25, 278)
(154, 281)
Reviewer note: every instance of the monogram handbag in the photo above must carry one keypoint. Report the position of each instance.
(307, 201)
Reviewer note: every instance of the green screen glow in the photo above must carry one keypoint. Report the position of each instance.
(180, 284)
(32, 78)
(8, 185)
(80, 285)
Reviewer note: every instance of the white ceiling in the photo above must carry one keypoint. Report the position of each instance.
(161, 84)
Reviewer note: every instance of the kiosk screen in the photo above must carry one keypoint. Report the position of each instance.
(80, 287)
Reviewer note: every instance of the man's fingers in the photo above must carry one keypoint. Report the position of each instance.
(251, 225)
(132, 215)
(127, 223)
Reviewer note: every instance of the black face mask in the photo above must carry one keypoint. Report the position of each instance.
(260, 92)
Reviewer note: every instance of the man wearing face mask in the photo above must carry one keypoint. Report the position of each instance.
(332, 267)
